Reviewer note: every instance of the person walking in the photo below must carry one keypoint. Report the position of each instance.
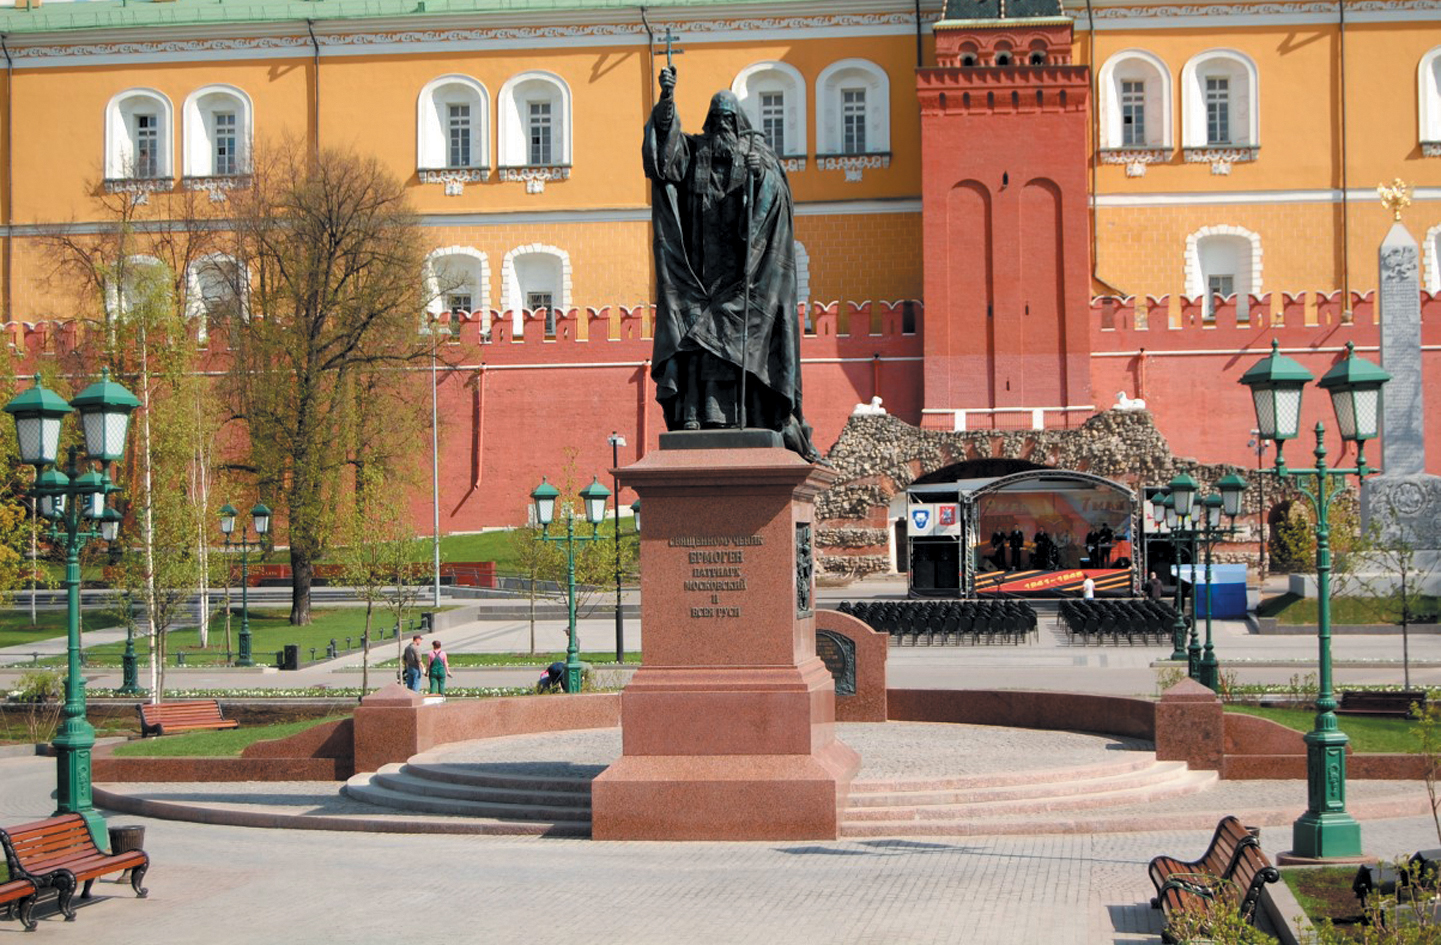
(439, 667)
(1154, 590)
(1088, 588)
(410, 662)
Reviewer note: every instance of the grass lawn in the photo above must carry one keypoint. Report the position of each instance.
(1300, 611)
(1325, 893)
(524, 659)
(214, 744)
(270, 630)
(16, 628)
(499, 547)
(1367, 734)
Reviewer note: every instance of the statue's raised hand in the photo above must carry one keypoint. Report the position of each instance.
(667, 80)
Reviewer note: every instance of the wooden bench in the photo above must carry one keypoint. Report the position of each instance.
(167, 718)
(1391, 704)
(1234, 856)
(59, 853)
(18, 898)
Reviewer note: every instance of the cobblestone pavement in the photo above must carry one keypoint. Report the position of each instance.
(232, 885)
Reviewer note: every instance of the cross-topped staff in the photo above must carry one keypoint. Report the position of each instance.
(669, 38)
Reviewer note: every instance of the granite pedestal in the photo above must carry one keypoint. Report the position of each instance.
(728, 727)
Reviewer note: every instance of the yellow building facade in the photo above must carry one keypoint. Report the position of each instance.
(1322, 100)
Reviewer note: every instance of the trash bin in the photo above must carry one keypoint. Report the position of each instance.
(125, 839)
(292, 657)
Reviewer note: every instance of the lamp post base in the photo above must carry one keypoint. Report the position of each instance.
(1209, 672)
(1326, 829)
(72, 780)
(1325, 836)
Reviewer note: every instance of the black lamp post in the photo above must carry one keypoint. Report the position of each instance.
(260, 516)
(616, 441)
(74, 502)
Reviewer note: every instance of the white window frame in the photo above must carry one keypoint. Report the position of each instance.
(1245, 109)
(1431, 259)
(513, 107)
(803, 285)
(773, 76)
(432, 129)
(1428, 103)
(1248, 276)
(849, 74)
(198, 140)
(513, 292)
(1131, 65)
(477, 272)
(119, 133)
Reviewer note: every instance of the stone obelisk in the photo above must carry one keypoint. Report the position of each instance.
(1403, 501)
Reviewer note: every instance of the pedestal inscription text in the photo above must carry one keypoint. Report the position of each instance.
(716, 572)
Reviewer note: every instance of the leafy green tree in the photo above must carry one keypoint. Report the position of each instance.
(379, 555)
(333, 255)
(137, 278)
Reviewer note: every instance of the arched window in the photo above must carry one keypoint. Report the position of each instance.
(139, 151)
(535, 277)
(216, 286)
(1428, 100)
(452, 132)
(1220, 115)
(457, 278)
(853, 101)
(535, 129)
(773, 95)
(1135, 89)
(217, 132)
(138, 282)
(853, 129)
(1223, 261)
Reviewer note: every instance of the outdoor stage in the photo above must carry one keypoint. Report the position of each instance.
(1037, 533)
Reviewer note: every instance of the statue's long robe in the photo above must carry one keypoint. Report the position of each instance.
(699, 215)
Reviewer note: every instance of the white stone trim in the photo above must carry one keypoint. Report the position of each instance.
(786, 78)
(197, 145)
(1193, 101)
(1195, 284)
(1432, 259)
(1244, 197)
(1131, 15)
(432, 137)
(510, 282)
(119, 148)
(1158, 118)
(803, 282)
(435, 303)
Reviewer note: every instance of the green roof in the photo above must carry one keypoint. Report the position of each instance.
(1001, 9)
(106, 14)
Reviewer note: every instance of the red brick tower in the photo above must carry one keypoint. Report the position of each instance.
(1007, 261)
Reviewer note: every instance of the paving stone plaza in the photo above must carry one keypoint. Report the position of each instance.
(1071, 876)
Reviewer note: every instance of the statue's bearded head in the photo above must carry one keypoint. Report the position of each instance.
(725, 120)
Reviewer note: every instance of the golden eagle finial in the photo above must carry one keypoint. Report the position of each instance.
(1395, 196)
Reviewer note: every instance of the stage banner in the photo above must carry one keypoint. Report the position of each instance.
(1066, 583)
(948, 520)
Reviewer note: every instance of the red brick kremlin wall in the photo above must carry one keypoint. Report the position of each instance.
(511, 406)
